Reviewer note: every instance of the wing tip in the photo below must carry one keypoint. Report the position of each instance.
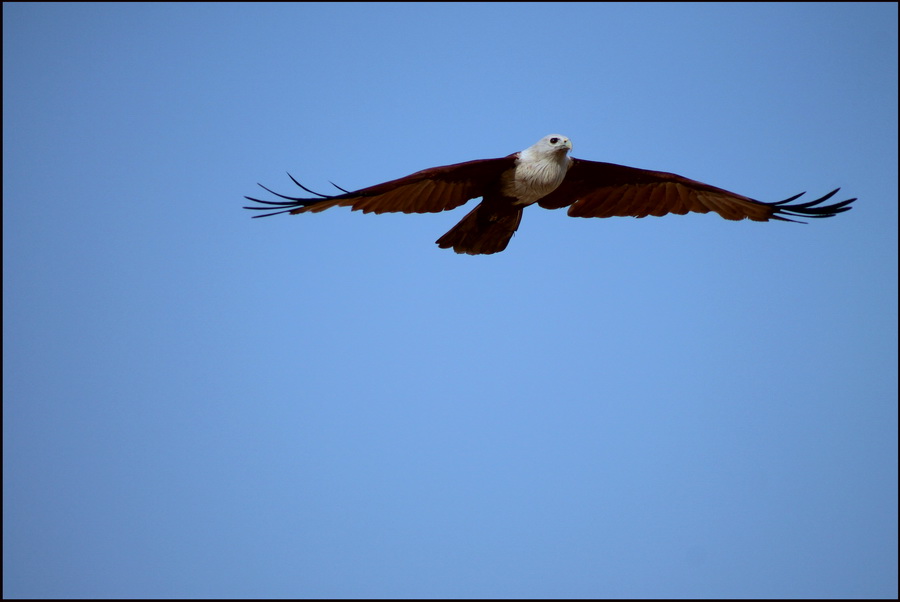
(291, 204)
(784, 210)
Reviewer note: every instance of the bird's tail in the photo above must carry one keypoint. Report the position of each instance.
(483, 231)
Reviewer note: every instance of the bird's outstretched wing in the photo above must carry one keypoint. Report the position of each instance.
(595, 189)
(427, 191)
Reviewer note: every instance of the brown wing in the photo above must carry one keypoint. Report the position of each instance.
(594, 189)
(427, 191)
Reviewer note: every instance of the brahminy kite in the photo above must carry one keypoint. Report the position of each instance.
(544, 174)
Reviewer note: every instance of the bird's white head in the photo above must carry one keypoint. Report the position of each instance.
(540, 169)
(556, 143)
(553, 145)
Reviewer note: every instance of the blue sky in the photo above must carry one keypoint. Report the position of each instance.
(198, 404)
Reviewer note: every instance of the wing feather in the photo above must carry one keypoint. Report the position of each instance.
(427, 191)
(595, 189)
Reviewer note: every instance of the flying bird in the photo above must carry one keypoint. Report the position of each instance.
(544, 174)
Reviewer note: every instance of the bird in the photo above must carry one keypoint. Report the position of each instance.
(543, 174)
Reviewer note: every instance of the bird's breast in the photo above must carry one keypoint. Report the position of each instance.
(529, 181)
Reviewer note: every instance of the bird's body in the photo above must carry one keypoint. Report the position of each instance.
(546, 175)
(535, 173)
(538, 171)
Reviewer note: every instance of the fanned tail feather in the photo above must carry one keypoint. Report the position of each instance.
(483, 230)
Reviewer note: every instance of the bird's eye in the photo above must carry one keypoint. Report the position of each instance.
(554, 140)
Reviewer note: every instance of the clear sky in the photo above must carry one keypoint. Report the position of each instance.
(197, 404)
